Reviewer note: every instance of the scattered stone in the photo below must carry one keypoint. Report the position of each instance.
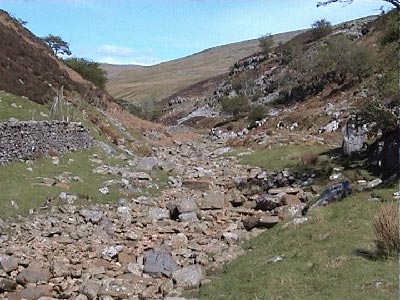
(296, 221)
(104, 190)
(276, 259)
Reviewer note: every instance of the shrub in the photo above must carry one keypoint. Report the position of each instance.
(386, 228)
(266, 42)
(257, 113)
(89, 70)
(320, 28)
(235, 105)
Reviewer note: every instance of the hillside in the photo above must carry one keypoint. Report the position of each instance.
(138, 84)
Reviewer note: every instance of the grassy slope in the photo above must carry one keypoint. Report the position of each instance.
(321, 260)
(138, 84)
(322, 257)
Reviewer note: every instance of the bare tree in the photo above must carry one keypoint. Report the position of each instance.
(395, 3)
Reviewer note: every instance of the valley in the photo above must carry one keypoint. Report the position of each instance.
(257, 174)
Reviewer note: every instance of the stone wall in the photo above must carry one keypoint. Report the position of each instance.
(32, 139)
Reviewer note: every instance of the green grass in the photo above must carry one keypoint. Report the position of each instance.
(278, 158)
(20, 185)
(21, 108)
(321, 260)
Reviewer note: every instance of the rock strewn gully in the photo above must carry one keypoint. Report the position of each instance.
(148, 248)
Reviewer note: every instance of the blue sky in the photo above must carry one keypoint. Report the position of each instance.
(151, 31)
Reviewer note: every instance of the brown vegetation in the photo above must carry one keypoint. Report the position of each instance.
(386, 227)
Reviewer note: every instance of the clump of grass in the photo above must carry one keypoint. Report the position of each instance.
(386, 228)
(309, 159)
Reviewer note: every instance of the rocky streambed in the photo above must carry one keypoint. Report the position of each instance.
(149, 247)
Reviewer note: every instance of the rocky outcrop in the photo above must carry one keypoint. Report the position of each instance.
(32, 139)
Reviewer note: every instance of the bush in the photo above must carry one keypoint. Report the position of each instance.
(257, 113)
(320, 28)
(89, 70)
(266, 43)
(386, 228)
(235, 105)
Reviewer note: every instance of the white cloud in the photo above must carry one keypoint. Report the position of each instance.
(142, 60)
(115, 51)
(118, 55)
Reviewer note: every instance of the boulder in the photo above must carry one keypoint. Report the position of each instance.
(34, 293)
(188, 277)
(7, 285)
(90, 215)
(374, 183)
(147, 163)
(236, 197)
(212, 200)
(203, 185)
(35, 273)
(188, 217)
(266, 202)
(268, 221)
(289, 212)
(260, 222)
(8, 263)
(158, 213)
(333, 193)
(250, 222)
(159, 262)
(186, 205)
(286, 190)
(111, 251)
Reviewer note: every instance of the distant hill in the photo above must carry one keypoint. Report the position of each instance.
(138, 84)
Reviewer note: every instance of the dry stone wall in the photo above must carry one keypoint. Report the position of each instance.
(32, 139)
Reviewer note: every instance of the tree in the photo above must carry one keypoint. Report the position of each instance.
(266, 43)
(57, 44)
(89, 70)
(395, 3)
(321, 28)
